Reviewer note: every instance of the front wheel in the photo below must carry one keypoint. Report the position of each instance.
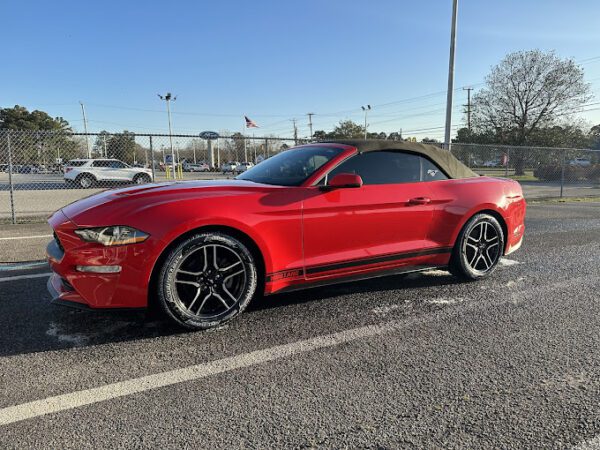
(142, 179)
(207, 280)
(478, 248)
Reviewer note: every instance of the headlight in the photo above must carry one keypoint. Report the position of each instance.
(117, 235)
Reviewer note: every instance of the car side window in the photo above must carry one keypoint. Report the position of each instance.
(430, 171)
(101, 164)
(116, 164)
(382, 167)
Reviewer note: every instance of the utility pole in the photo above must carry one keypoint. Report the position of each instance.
(295, 132)
(468, 105)
(366, 109)
(85, 128)
(168, 98)
(451, 75)
(310, 124)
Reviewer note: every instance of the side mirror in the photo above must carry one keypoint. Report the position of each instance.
(345, 180)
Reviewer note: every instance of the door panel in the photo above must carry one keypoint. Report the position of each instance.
(370, 223)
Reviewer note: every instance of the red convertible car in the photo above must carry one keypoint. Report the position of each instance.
(316, 214)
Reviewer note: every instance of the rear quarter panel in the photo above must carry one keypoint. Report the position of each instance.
(458, 200)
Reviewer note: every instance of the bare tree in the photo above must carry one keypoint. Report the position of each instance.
(526, 91)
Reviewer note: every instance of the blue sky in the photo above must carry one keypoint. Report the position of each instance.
(273, 60)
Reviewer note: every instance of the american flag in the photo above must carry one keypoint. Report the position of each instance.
(250, 123)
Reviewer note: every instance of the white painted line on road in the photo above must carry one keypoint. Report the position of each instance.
(25, 277)
(91, 396)
(21, 266)
(16, 238)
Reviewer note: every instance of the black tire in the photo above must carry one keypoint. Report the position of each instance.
(142, 178)
(478, 248)
(192, 278)
(86, 181)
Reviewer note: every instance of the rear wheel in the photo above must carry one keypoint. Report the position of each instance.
(478, 248)
(141, 179)
(86, 181)
(207, 280)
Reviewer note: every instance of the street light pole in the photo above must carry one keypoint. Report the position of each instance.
(366, 109)
(167, 98)
(85, 128)
(451, 75)
(310, 124)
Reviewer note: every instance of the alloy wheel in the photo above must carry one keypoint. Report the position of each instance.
(209, 281)
(482, 247)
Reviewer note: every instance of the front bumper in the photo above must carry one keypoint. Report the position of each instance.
(69, 285)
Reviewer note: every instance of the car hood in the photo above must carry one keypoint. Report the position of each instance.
(107, 206)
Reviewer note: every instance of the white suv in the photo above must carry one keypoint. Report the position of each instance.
(87, 172)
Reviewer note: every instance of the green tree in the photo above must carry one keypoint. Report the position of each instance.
(527, 91)
(319, 135)
(347, 129)
(19, 118)
(122, 146)
(38, 137)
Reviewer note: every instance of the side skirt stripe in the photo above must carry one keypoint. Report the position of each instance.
(292, 273)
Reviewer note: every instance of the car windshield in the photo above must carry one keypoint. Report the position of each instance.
(291, 167)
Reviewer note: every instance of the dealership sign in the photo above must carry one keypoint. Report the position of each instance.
(209, 135)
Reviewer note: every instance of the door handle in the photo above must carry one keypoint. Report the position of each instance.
(419, 201)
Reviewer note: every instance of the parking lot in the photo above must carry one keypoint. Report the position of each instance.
(415, 361)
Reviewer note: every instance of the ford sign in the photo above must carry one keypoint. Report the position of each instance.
(209, 135)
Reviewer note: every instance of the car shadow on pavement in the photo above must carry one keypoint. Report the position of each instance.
(413, 280)
(30, 324)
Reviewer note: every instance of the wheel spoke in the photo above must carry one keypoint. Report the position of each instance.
(493, 239)
(485, 261)
(187, 272)
(492, 260)
(474, 247)
(231, 296)
(204, 250)
(215, 265)
(228, 268)
(473, 262)
(196, 297)
(203, 302)
(228, 277)
(222, 300)
(191, 283)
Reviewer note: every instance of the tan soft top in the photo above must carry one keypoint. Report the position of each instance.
(443, 158)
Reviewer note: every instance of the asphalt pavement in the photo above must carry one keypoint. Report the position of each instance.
(415, 361)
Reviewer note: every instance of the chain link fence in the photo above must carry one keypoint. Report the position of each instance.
(542, 171)
(41, 172)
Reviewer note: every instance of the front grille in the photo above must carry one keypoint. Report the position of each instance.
(58, 243)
